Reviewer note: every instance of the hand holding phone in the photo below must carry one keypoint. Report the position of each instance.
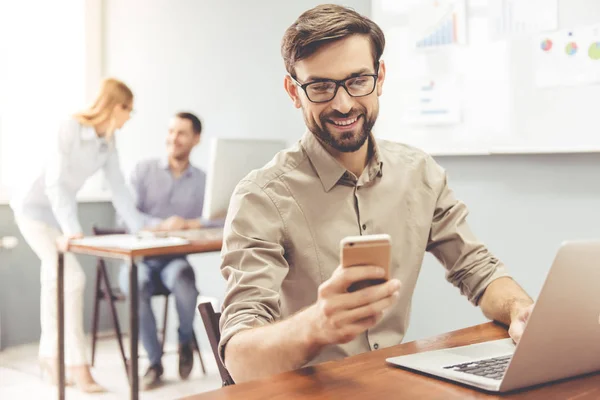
(366, 250)
(338, 315)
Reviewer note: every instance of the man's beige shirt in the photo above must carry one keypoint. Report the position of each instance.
(286, 220)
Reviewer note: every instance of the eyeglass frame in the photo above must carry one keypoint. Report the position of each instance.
(128, 108)
(339, 83)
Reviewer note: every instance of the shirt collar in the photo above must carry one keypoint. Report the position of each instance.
(329, 170)
(88, 133)
(375, 166)
(163, 162)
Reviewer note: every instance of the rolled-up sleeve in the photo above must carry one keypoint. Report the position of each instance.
(62, 200)
(253, 262)
(470, 265)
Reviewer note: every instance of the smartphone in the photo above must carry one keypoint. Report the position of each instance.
(367, 250)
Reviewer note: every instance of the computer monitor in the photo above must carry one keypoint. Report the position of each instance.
(230, 161)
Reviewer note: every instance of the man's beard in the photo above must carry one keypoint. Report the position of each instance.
(180, 155)
(346, 142)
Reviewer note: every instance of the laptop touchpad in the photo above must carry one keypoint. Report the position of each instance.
(487, 349)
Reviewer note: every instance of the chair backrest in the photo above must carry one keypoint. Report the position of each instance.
(102, 231)
(210, 318)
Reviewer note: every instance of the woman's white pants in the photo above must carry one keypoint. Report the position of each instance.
(42, 240)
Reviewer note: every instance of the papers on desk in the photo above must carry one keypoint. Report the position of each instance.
(130, 242)
(188, 234)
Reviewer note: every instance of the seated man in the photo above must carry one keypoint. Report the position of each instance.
(281, 247)
(170, 192)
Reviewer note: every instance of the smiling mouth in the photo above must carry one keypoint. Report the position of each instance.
(345, 123)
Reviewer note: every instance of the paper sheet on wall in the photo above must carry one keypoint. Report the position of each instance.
(517, 18)
(431, 101)
(568, 57)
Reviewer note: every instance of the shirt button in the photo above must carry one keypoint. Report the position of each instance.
(364, 227)
(376, 346)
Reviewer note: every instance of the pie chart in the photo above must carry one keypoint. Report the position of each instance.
(546, 45)
(571, 48)
(594, 51)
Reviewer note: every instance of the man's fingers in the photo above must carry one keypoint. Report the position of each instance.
(349, 332)
(370, 294)
(349, 301)
(515, 331)
(366, 311)
(342, 278)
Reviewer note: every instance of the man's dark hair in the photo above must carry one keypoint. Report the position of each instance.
(324, 24)
(196, 124)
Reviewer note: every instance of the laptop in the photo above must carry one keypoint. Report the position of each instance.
(561, 338)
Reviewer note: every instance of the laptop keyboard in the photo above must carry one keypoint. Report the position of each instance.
(490, 368)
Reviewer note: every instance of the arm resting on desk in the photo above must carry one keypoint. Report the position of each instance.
(270, 349)
(199, 223)
(256, 338)
(503, 300)
(255, 341)
(470, 265)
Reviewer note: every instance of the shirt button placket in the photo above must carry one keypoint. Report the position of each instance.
(362, 226)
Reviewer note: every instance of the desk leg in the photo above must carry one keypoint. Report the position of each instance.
(133, 328)
(60, 293)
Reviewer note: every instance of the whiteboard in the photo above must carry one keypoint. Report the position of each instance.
(502, 111)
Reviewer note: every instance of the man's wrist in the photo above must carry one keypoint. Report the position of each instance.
(309, 335)
(192, 224)
(516, 306)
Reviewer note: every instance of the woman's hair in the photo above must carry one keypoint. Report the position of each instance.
(112, 92)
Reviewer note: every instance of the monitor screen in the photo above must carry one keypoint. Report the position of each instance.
(230, 161)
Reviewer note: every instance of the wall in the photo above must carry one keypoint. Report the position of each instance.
(220, 60)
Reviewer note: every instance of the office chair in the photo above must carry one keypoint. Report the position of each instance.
(210, 318)
(113, 295)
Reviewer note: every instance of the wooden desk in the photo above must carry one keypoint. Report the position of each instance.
(367, 376)
(202, 242)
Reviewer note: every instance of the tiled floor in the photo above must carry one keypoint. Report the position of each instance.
(20, 376)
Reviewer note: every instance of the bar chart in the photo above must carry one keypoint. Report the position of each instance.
(438, 24)
(442, 34)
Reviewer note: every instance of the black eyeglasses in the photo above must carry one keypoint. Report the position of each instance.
(324, 90)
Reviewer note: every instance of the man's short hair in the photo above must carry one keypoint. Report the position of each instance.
(324, 24)
(196, 124)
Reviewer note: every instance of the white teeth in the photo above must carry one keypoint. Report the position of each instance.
(346, 122)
